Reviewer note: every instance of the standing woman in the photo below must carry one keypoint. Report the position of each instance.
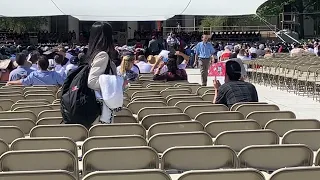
(100, 45)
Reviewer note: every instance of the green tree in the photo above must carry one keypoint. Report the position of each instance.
(211, 21)
(20, 24)
(275, 7)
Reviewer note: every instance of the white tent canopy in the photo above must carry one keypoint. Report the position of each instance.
(127, 10)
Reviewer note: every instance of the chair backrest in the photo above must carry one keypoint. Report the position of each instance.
(168, 92)
(281, 126)
(180, 95)
(203, 89)
(159, 87)
(76, 132)
(55, 106)
(309, 137)
(54, 89)
(50, 113)
(246, 109)
(240, 139)
(199, 158)
(223, 174)
(184, 104)
(3, 147)
(147, 174)
(31, 88)
(235, 106)
(157, 110)
(150, 99)
(50, 121)
(124, 119)
(120, 158)
(272, 157)
(12, 97)
(207, 117)
(149, 92)
(146, 96)
(194, 110)
(10, 133)
(136, 106)
(173, 88)
(35, 109)
(173, 101)
(24, 124)
(52, 159)
(117, 129)
(33, 100)
(49, 97)
(171, 127)
(26, 104)
(38, 175)
(216, 127)
(157, 118)
(208, 96)
(113, 141)
(194, 87)
(37, 92)
(6, 104)
(296, 173)
(18, 114)
(124, 112)
(45, 143)
(262, 117)
(163, 141)
(130, 90)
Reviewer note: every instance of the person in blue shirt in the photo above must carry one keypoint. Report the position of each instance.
(204, 52)
(21, 71)
(40, 77)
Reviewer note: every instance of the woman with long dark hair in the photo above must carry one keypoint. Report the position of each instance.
(100, 45)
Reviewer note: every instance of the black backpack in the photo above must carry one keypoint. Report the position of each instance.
(78, 102)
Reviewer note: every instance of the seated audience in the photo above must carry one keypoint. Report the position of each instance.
(243, 55)
(22, 71)
(225, 55)
(58, 59)
(234, 90)
(173, 73)
(74, 63)
(6, 66)
(268, 54)
(40, 77)
(143, 65)
(125, 69)
(33, 59)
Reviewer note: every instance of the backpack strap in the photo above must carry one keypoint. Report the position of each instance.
(109, 68)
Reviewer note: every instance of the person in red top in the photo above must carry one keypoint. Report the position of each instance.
(138, 44)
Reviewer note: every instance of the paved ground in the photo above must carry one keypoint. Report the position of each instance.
(303, 107)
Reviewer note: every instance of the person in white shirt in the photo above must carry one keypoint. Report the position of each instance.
(144, 67)
(33, 59)
(296, 51)
(58, 66)
(242, 55)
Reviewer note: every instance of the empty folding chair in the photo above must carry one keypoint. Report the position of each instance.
(168, 92)
(223, 174)
(35, 109)
(3, 147)
(309, 137)
(45, 160)
(136, 106)
(26, 104)
(194, 110)
(54, 89)
(33, 100)
(147, 174)
(146, 96)
(157, 118)
(163, 141)
(6, 104)
(18, 114)
(240, 139)
(296, 173)
(55, 106)
(202, 90)
(32, 88)
(207, 117)
(216, 127)
(50, 121)
(113, 141)
(149, 92)
(76, 132)
(281, 126)
(130, 90)
(159, 87)
(124, 112)
(38, 175)
(199, 158)
(194, 87)
(246, 109)
(208, 96)
(262, 117)
(173, 101)
(172, 127)
(50, 113)
(150, 99)
(120, 158)
(45, 143)
(49, 97)
(235, 106)
(125, 102)
(117, 129)
(188, 88)
(269, 158)
(24, 124)
(157, 110)
(14, 97)
(37, 92)
(124, 119)
(184, 104)
(10, 133)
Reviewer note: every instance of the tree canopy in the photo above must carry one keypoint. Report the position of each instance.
(20, 24)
